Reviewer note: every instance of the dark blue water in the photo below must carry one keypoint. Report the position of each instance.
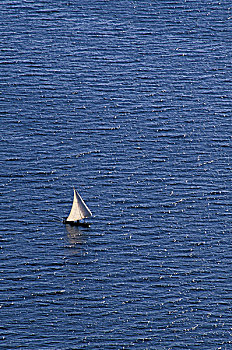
(130, 102)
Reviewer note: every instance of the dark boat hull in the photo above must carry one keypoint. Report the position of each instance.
(76, 223)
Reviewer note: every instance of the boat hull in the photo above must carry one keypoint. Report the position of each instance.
(76, 223)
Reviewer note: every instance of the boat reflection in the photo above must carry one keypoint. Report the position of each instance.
(76, 237)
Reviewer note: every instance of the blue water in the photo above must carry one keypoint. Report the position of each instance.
(130, 102)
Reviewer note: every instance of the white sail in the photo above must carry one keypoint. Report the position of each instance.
(79, 209)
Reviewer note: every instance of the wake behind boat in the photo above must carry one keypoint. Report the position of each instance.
(78, 212)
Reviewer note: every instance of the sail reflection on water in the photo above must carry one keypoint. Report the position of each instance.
(75, 235)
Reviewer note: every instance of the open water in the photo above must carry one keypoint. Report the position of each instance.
(130, 102)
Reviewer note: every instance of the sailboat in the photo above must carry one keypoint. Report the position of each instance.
(78, 212)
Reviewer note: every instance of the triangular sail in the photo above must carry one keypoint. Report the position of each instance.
(79, 209)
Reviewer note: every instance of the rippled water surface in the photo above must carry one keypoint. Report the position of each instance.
(130, 102)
